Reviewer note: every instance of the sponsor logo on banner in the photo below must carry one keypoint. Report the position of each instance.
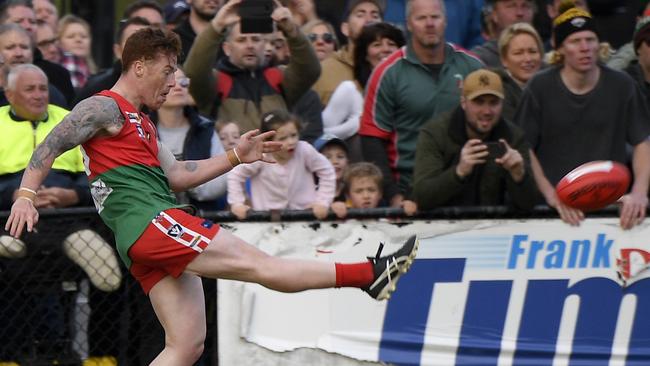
(523, 294)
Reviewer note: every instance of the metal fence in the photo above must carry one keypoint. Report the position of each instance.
(67, 299)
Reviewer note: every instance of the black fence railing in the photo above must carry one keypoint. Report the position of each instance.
(66, 297)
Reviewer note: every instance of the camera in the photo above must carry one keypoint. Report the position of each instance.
(256, 16)
(495, 149)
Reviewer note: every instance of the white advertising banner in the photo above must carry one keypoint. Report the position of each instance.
(481, 292)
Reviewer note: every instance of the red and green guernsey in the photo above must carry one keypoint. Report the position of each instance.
(126, 181)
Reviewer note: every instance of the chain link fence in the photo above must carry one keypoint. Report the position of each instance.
(67, 299)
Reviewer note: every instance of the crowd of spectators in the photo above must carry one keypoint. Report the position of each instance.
(400, 103)
(384, 80)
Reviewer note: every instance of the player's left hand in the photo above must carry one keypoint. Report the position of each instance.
(633, 208)
(254, 146)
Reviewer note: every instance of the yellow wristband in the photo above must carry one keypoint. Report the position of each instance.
(25, 198)
(27, 190)
(234, 149)
(27, 193)
(233, 157)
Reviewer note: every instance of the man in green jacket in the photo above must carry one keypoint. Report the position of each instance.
(243, 88)
(471, 156)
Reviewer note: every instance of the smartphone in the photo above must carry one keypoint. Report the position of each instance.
(256, 16)
(495, 149)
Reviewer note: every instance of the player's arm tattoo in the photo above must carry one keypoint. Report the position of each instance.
(190, 166)
(92, 117)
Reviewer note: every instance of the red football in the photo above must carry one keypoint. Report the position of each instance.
(594, 185)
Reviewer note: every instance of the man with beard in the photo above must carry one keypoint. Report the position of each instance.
(454, 165)
(244, 88)
(201, 12)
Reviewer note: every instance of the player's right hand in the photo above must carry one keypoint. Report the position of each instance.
(23, 213)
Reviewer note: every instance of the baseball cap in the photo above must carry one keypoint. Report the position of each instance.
(174, 9)
(481, 82)
(327, 140)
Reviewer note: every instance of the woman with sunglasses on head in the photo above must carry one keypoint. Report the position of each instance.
(190, 136)
(322, 36)
(341, 116)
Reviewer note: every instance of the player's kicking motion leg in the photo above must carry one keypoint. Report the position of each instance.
(179, 302)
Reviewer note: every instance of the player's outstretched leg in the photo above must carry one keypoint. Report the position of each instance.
(229, 257)
(388, 269)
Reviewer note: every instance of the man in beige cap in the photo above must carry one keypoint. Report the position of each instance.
(471, 156)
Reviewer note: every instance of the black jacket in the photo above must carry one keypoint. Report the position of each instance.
(57, 75)
(187, 35)
(435, 182)
(634, 70)
(512, 94)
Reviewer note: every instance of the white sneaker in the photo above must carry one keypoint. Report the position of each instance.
(96, 257)
(11, 247)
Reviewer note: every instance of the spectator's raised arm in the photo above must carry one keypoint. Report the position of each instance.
(304, 68)
(200, 61)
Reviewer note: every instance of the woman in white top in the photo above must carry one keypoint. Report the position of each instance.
(341, 115)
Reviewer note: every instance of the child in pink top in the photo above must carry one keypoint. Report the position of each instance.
(288, 184)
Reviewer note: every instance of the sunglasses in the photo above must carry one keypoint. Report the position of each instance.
(183, 82)
(326, 37)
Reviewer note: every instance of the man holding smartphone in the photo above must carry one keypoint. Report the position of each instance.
(471, 156)
(243, 87)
